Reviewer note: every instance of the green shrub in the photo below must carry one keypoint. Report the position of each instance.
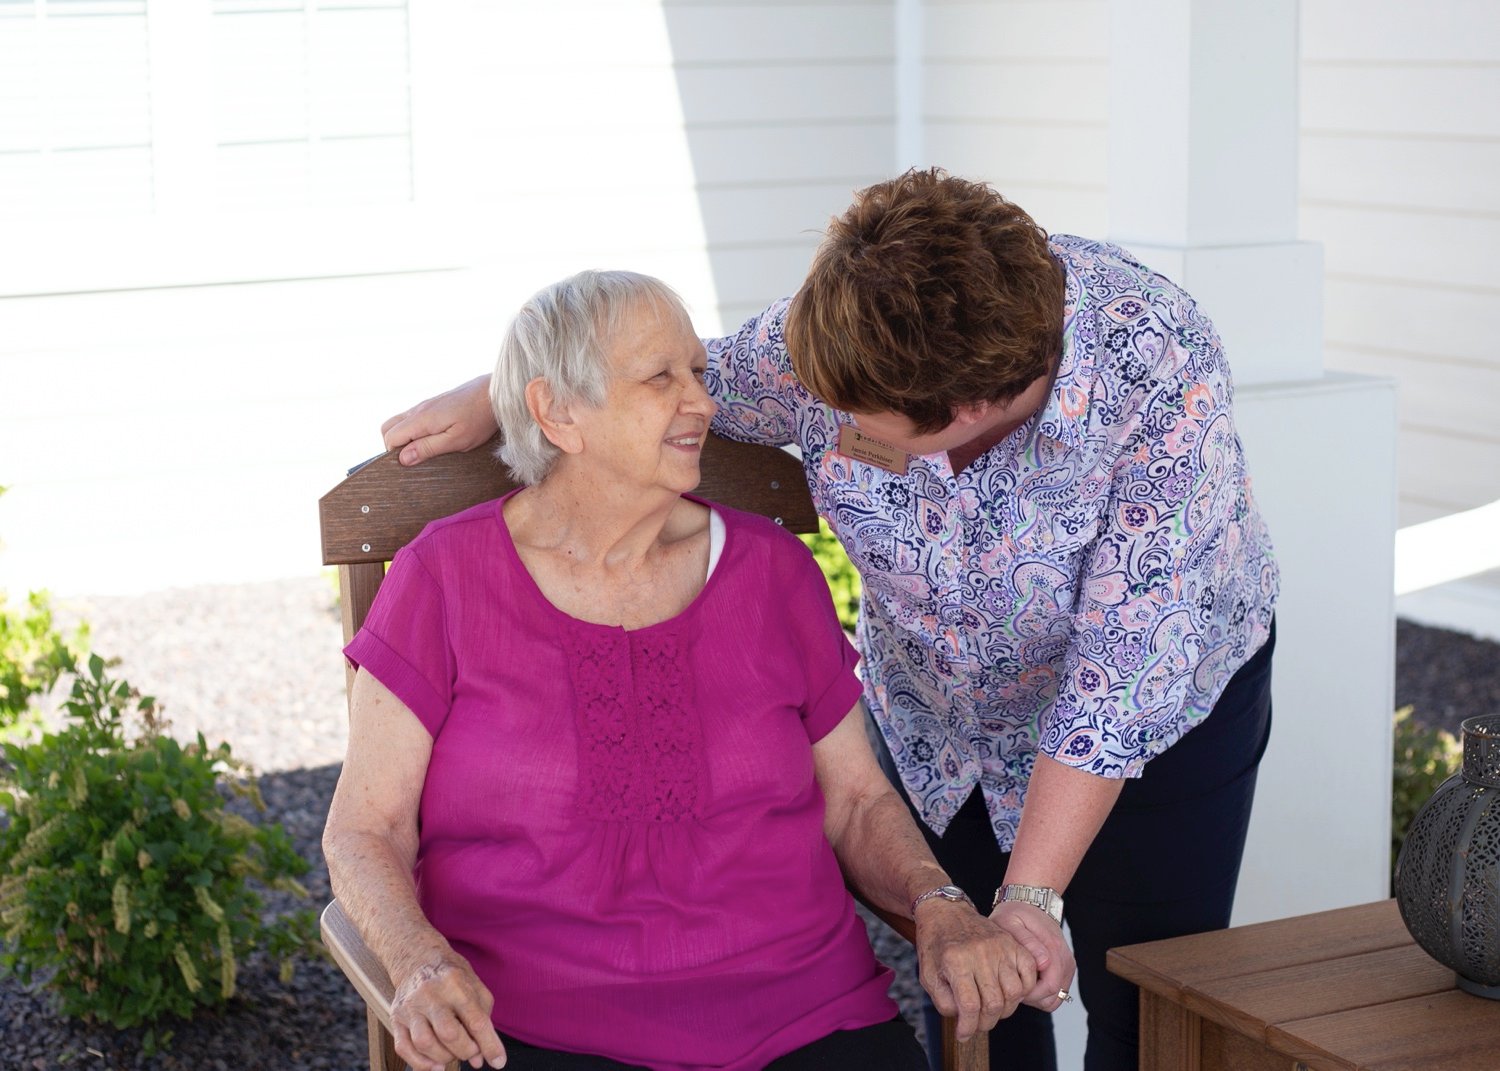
(838, 570)
(1424, 758)
(33, 655)
(125, 883)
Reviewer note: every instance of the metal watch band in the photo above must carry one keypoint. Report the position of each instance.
(1049, 900)
(947, 892)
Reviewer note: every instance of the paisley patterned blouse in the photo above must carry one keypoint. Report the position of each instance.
(1085, 588)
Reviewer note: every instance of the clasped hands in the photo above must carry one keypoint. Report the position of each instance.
(978, 970)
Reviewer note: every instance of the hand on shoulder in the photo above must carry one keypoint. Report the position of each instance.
(456, 420)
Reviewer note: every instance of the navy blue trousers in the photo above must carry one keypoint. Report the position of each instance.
(1164, 864)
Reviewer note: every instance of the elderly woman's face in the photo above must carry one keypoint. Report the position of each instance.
(650, 430)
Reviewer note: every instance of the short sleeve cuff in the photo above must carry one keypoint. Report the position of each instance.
(829, 709)
(1080, 742)
(369, 652)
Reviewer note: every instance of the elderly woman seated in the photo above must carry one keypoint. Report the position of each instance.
(607, 760)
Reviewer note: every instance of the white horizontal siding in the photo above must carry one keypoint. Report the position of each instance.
(1068, 156)
(1014, 94)
(1394, 98)
(1437, 322)
(1437, 393)
(1437, 468)
(735, 217)
(996, 32)
(603, 160)
(756, 277)
(526, 35)
(1400, 146)
(672, 5)
(1454, 30)
(1407, 244)
(735, 130)
(1433, 174)
(855, 151)
(1042, 90)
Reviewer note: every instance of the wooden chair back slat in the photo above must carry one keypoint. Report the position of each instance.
(382, 506)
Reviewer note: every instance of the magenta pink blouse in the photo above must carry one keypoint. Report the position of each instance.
(621, 831)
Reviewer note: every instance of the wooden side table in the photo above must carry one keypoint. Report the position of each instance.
(1344, 990)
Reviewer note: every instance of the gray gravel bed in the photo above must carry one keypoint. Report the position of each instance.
(1445, 676)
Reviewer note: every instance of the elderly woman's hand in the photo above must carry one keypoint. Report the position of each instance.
(441, 1012)
(456, 420)
(972, 969)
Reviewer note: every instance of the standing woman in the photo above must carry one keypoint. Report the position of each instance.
(1027, 446)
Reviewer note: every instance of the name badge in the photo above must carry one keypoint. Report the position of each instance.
(853, 443)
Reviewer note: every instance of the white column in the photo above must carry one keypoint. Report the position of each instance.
(911, 57)
(1203, 187)
(1203, 171)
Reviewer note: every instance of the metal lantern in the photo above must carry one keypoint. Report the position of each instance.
(1448, 873)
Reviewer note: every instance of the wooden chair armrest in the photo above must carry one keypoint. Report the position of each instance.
(357, 962)
(367, 976)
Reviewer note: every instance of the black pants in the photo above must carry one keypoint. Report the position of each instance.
(1164, 864)
(884, 1047)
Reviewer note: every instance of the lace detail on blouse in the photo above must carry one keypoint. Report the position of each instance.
(639, 750)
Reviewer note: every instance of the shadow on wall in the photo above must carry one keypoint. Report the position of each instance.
(787, 110)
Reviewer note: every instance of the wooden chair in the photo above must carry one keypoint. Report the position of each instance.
(382, 506)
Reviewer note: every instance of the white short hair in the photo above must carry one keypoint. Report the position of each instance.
(561, 335)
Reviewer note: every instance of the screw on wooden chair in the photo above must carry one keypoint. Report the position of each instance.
(365, 547)
(364, 509)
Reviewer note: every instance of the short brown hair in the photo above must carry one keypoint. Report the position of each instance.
(929, 293)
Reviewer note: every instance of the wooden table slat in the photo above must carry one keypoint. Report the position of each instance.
(1344, 990)
(1250, 1003)
(1167, 967)
(1449, 1031)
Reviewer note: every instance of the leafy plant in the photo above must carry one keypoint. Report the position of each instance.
(33, 655)
(1424, 758)
(838, 570)
(125, 881)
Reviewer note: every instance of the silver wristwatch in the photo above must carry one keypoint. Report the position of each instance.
(947, 892)
(1049, 900)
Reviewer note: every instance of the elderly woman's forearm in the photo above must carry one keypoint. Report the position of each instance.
(883, 855)
(373, 881)
(878, 845)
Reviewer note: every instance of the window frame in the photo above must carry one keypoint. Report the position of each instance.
(189, 241)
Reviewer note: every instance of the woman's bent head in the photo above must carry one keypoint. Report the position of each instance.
(561, 335)
(928, 294)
